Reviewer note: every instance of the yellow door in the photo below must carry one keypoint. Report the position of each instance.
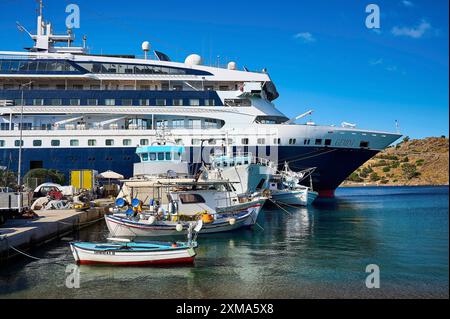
(87, 179)
(75, 179)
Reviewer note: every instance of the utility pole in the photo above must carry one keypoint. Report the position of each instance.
(19, 169)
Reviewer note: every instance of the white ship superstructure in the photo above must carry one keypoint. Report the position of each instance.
(89, 111)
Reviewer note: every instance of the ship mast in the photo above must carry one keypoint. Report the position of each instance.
(40, 25)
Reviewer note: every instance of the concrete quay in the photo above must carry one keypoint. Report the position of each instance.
(25, 234)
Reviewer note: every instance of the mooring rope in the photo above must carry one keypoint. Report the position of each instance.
(5, 238)
(81, 224)
(283, 209)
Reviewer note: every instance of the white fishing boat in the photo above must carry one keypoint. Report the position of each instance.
(163, 200)
(175, 203)
(260, 175)
(286, 188)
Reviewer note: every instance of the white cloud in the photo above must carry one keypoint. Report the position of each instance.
(376, 62)
(407, 3)
(380, 63)
(392, 68)
(306, 37)
(412, 32)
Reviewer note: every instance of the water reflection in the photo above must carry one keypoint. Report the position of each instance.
(320, 251)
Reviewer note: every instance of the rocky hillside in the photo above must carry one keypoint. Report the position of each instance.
(411, 162)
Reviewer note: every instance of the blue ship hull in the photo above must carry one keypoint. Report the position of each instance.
(333, 165)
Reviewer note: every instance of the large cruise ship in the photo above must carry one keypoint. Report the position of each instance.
(75, 110)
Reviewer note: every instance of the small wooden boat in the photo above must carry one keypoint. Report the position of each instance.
(124, 252)
(127, 253)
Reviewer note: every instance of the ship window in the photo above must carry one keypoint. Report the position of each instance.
(38, 102)
(2, 143)
(42, 66)
(56, 102)
(177, 102)
(60, 87)
(109, 142)
(126, 142)
(194, 102)
(17, 143)
(161, 123)
(144, 102)
(244, 141)
(55, 143)
(318, 141)
(177, 123)
(210, 102)
(209, 123)
(144, 157)
(261, 141)
(160, 102)
(77, 87)
(26, 126)
(177, 88)
(191, 199)
(95, 87)
(152, 156)
(127, 102)
(92, 102)
(364, 144)
(168, 156)
(209, 88)
(92, 142)
(292, 141)
(306, 141)
(144, 141)
(212, 141)
(37, 143)
(327, 142)
(237, 102)
(74, 143)
(160, 156)
(74, 102)
(4, 126)
(110, 102)
(277, 141)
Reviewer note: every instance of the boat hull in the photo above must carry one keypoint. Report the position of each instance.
(86, 256)
(334, 165)
(124, 227)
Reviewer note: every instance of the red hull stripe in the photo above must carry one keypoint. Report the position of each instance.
(326, 193)
(184, 260)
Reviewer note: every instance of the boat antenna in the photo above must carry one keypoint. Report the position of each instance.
(397, 126)
(41, 7)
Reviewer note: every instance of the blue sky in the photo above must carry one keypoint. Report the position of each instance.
(320, 54)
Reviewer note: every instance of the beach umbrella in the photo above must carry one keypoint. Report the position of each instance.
(110, 175)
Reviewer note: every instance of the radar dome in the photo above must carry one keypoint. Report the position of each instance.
(193, 59)
(145, 46)
(232, 65)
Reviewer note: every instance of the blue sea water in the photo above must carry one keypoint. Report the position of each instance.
(316, 252)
